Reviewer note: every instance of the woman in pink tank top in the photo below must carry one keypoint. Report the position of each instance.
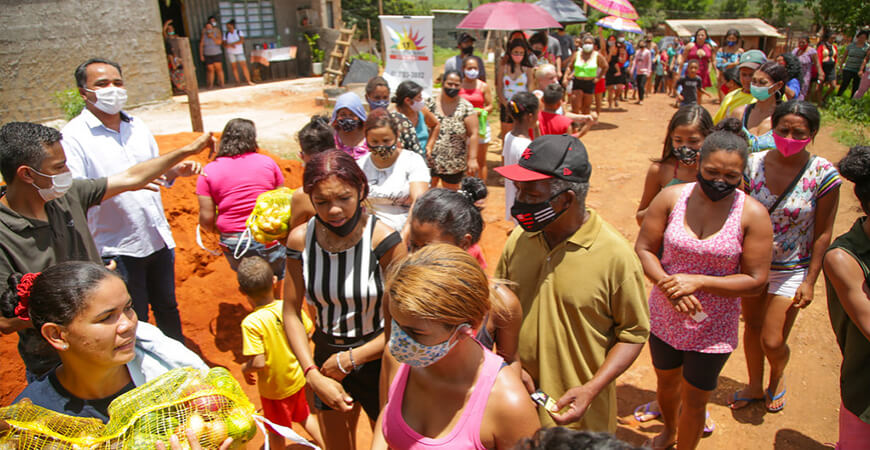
(446, 390)
(715, 244)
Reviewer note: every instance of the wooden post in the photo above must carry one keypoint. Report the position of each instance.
(182, 46)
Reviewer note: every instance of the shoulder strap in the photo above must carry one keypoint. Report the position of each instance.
(386, 244)
(746, 113)
(791, 185)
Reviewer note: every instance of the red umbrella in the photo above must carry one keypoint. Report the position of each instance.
(508, 16)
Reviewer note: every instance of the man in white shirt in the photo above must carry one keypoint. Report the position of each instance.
(131, 228)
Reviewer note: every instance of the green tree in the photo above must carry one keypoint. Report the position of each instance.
(733, 8)
(357, 11)
(844, 15)
(778, 12)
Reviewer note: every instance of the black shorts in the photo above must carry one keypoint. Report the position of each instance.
(699, 369)
(449, 178)
(504, 115)
(587, 86)
(211, 59)
(363, 383)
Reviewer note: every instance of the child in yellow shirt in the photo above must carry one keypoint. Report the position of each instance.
(278, 377)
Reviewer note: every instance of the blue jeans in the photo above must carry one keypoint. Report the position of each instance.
(151, 281)
(275, 253)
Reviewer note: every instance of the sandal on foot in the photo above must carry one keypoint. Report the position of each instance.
(708, 430)
(647, 414)
(747, 400)
(774, 398)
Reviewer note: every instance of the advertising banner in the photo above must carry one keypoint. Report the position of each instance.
(408, 50)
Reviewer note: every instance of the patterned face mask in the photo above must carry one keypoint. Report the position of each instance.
(685, 154)
(408, 351)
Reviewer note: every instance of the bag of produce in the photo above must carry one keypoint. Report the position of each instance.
(210, 403)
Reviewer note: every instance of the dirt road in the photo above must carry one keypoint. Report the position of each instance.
(620, 149)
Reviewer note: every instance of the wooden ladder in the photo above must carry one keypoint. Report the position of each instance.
(334, 71)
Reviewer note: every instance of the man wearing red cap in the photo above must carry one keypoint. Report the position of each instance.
(585, 314)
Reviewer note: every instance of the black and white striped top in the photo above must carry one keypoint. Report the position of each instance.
(347, 287)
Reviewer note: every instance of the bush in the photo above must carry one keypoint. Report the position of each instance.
(70, 102)
(368, 57)
(316, 52)
(854, 111)
(852, 118)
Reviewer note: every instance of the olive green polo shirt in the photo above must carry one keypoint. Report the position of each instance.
(32, 245)
(579, 299)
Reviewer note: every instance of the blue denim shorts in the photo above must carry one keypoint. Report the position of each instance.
(274, 253)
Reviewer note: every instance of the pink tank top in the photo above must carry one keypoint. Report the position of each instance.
(718, 255)
(474, 96)
(466, 433)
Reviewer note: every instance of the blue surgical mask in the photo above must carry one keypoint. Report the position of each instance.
(408, 351)
(761, 93)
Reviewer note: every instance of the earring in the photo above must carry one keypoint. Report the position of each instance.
(64, 346)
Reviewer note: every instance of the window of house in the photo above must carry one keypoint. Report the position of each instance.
(256, 18)
(330, 17)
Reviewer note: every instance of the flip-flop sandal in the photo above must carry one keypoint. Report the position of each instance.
(775, 398)
(638, 415)
(748, 400)
(708, 430)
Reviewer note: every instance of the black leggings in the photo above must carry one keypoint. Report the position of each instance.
(699, 369)
(848, 76)
(641, 86)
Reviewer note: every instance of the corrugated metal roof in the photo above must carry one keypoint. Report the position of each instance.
(449, 11)
(718, 27)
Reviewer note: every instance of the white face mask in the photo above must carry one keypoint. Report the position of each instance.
(417, 106)
(60, 184)
(472, 74)
(588, 47)
(110, 100)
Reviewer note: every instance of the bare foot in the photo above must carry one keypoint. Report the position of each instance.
(662, 441)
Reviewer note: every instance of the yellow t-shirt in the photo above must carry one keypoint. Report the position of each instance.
(732, 100)
(579, 299)
(263, 334)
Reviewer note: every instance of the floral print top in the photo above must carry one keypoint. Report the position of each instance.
(450, 152)
(717, 255)
(794, 217)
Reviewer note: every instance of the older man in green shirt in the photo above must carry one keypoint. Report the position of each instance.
(585, 313)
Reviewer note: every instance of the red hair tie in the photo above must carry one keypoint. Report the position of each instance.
(25, 286)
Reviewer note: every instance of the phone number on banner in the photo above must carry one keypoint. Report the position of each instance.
(407, 75)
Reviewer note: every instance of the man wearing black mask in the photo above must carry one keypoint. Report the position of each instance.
(585, 314)
(465, 44)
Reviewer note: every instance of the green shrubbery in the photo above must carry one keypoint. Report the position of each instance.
(852, 117)
(70, 101)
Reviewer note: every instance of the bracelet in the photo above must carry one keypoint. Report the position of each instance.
(308, 369)
(352, 362)
(338, 363)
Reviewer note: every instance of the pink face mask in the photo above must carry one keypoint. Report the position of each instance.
(788, 146)
(517, 58)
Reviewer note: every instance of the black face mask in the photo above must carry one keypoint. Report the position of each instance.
(347, 227)
(685, 154)
(538, 53)
(451, 92)
(535, 216)
(348, 125)
(715, 190)
(467, 50)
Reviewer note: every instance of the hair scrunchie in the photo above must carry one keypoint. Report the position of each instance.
(25, 286)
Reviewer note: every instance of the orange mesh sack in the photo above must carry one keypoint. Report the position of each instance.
(211, 403)
(270, 219)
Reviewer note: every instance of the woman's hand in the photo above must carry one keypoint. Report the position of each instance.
(330, 392)
(331, 369)
(192, 441)
(680, 285)
(803, 296)
(472, 168)
(687, 305)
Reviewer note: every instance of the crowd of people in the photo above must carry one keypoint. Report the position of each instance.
(378, 300)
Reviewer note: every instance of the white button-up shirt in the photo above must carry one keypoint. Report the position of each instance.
(132, 223)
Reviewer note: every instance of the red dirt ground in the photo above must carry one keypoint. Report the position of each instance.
(212, 309)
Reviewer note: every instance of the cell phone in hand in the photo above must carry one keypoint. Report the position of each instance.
(542, 399)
